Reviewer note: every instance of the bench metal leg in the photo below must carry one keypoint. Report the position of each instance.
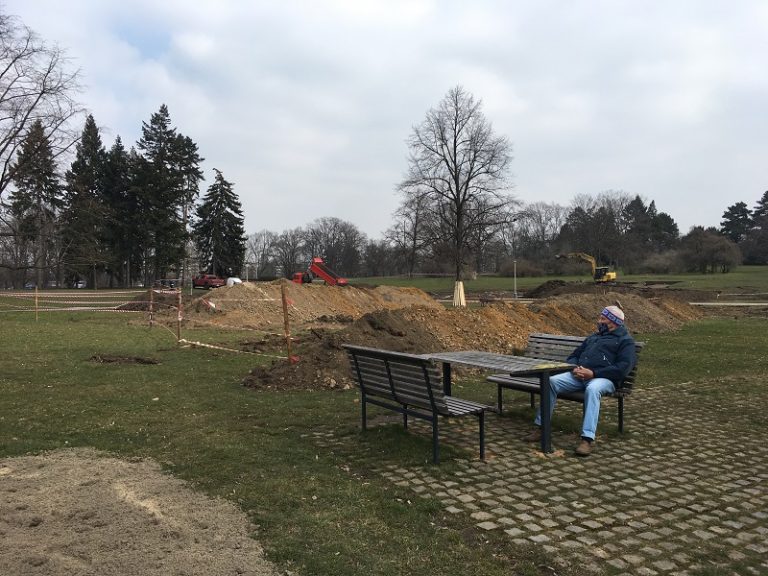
(447, 378)
(435, 443)
(405, 418)
(481, 417)
(533, 400)
(363, 416)
(621, 414)
(499, 395)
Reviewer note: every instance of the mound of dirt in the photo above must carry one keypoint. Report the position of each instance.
(259, 305)
(501, 328)
(83, 512)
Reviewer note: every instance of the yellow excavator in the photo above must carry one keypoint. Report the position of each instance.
(599, 273)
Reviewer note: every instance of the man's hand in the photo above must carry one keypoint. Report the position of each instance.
(583, 373)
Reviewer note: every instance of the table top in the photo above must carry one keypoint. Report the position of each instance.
(514, 365)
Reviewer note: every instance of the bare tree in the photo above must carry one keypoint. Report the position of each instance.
(596, 224)
(535, 229)
(409, 235)
(459, 165)
(338, 242)
(260, 251)
(36, 84)
(289, 251)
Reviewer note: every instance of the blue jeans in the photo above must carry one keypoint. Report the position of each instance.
(593, 390)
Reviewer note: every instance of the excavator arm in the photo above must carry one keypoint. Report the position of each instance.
(581, 256)
(599, 273)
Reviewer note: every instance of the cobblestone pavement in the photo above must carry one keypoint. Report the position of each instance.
(687, 488)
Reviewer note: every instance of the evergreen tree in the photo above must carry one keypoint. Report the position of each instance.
(760, 213)
(737, 220)
(191, 175)
(638, 219)
(36, 202)
(84, 220)
(665, 232)
(162, 195)
(124, 231)
(219, 229)
(755, 245)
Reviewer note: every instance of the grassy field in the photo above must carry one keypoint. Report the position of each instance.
(743, 278)
(316, 512)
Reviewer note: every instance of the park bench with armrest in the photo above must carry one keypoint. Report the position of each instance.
(557, 347)
(410, 385)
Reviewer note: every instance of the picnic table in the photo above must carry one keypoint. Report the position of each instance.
(512, 365)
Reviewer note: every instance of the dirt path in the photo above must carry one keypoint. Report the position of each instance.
(81, 513)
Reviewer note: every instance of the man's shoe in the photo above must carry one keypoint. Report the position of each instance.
(584, 448)
(534, 436)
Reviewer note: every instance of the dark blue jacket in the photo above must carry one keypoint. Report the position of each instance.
(610, 355)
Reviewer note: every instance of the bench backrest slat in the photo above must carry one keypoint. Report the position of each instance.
(558, 347)
(404, 378)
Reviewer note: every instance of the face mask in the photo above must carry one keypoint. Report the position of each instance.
(602, 328)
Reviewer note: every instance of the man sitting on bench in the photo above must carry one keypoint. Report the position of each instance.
(602, 361)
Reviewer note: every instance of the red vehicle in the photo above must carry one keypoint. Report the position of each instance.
(318, 269)
(208, 281)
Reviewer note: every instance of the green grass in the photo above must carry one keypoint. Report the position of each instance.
(191, 413)
(751, 278)
(318, 511)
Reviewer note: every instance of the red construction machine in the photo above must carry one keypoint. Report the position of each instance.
(318, 269)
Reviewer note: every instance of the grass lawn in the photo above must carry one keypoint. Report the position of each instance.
(315, 512)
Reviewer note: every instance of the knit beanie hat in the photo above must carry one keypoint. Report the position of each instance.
(614, 314)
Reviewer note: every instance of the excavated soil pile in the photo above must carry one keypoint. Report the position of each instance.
(500, 328)
(259, 305)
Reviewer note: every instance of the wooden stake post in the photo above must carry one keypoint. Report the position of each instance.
(180, 315)
(286, 326)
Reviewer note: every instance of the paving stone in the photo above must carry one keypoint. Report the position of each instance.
(481, 516)
(665, 565)
(643, 504)
(487, 525)
(539, 538)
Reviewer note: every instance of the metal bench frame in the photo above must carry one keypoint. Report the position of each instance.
(411, 385)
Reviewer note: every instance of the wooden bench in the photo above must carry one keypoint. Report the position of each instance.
(557, 348)
(410, 385)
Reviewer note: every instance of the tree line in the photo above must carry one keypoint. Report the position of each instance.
(457, 216)
(73, 210)
(116, 217)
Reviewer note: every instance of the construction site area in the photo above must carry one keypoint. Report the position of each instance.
(321, 318)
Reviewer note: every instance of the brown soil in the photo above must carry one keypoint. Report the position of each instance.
(259, 305)
(406, 319)
(81, 513)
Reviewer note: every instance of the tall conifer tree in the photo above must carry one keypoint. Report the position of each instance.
(169, 176)
(219, 230)
(36, 202)
(84, 220)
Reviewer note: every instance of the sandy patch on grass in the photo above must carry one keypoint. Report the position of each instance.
(79, 512)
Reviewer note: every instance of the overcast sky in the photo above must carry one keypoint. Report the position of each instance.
(305, 105)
